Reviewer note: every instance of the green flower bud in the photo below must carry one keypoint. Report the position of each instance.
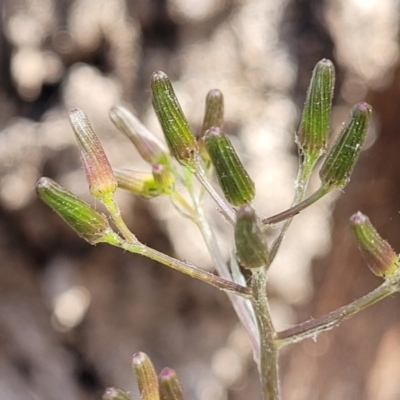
(164, 179)
(146, 377)
(235, 182)
(86, 221)
(379, 255)
(98, 171)
(170, 387)
(113, 393)
(178, 135)
(314, 127)
(213, 117)
(339, 163)
(139, 183)
(251, 246)
(149, 147)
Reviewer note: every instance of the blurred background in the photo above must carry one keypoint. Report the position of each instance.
(71, 315)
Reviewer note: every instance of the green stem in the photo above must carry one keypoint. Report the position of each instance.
(181, 266)
(312, 327)
(268, 363)
(303, 177)
(225, 209)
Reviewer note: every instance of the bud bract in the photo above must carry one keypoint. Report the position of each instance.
(234, 180)
(179, 137)
(314, 127)
(379, 255)
(251, 246)
(88, 223)
(339, 163)
(102, 182)
(146, 377)
(149, 147)
(170, 387)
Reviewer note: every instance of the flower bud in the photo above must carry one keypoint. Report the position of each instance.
(86, 221)
(251, 246)
(379, 255)
(213, 117)
(178, 135)
(95, 163)
(138, 183)
(314, 127)
(149, 147)
(339, 163)
(146, 377)
(235, 182)
(113, 393)
(170, 387)
(164, 179)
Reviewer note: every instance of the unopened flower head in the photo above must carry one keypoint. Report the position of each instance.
(102, 183)
(89, 224)
(379, 255)
(170, 387)
(339, 163)
(314, 127)
(146, 376)
(251, 247)
(142, 184)
(113, 393)
(234, 180)
(179, 137)
(149, 146)
(164, 179)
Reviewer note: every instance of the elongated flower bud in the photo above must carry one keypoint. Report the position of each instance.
(379, 255)
(113, 393)
(95, 163)
(179, 137)
(213, 117)
(235, 182)
(340, 161)
(139, 183)
(86, 221)
(251, 246)
(314, 127)
(146, 377)
(149, 147)
(164, 179)
(214, 112)
(170, 387)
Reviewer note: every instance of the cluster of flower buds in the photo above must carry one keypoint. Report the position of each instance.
(166, 386)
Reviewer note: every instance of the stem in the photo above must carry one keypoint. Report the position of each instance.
(303, 177)
(313, 327)
(292, 211)
(115, 213)
(268, 363)
(222, 205)
(182, 266)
